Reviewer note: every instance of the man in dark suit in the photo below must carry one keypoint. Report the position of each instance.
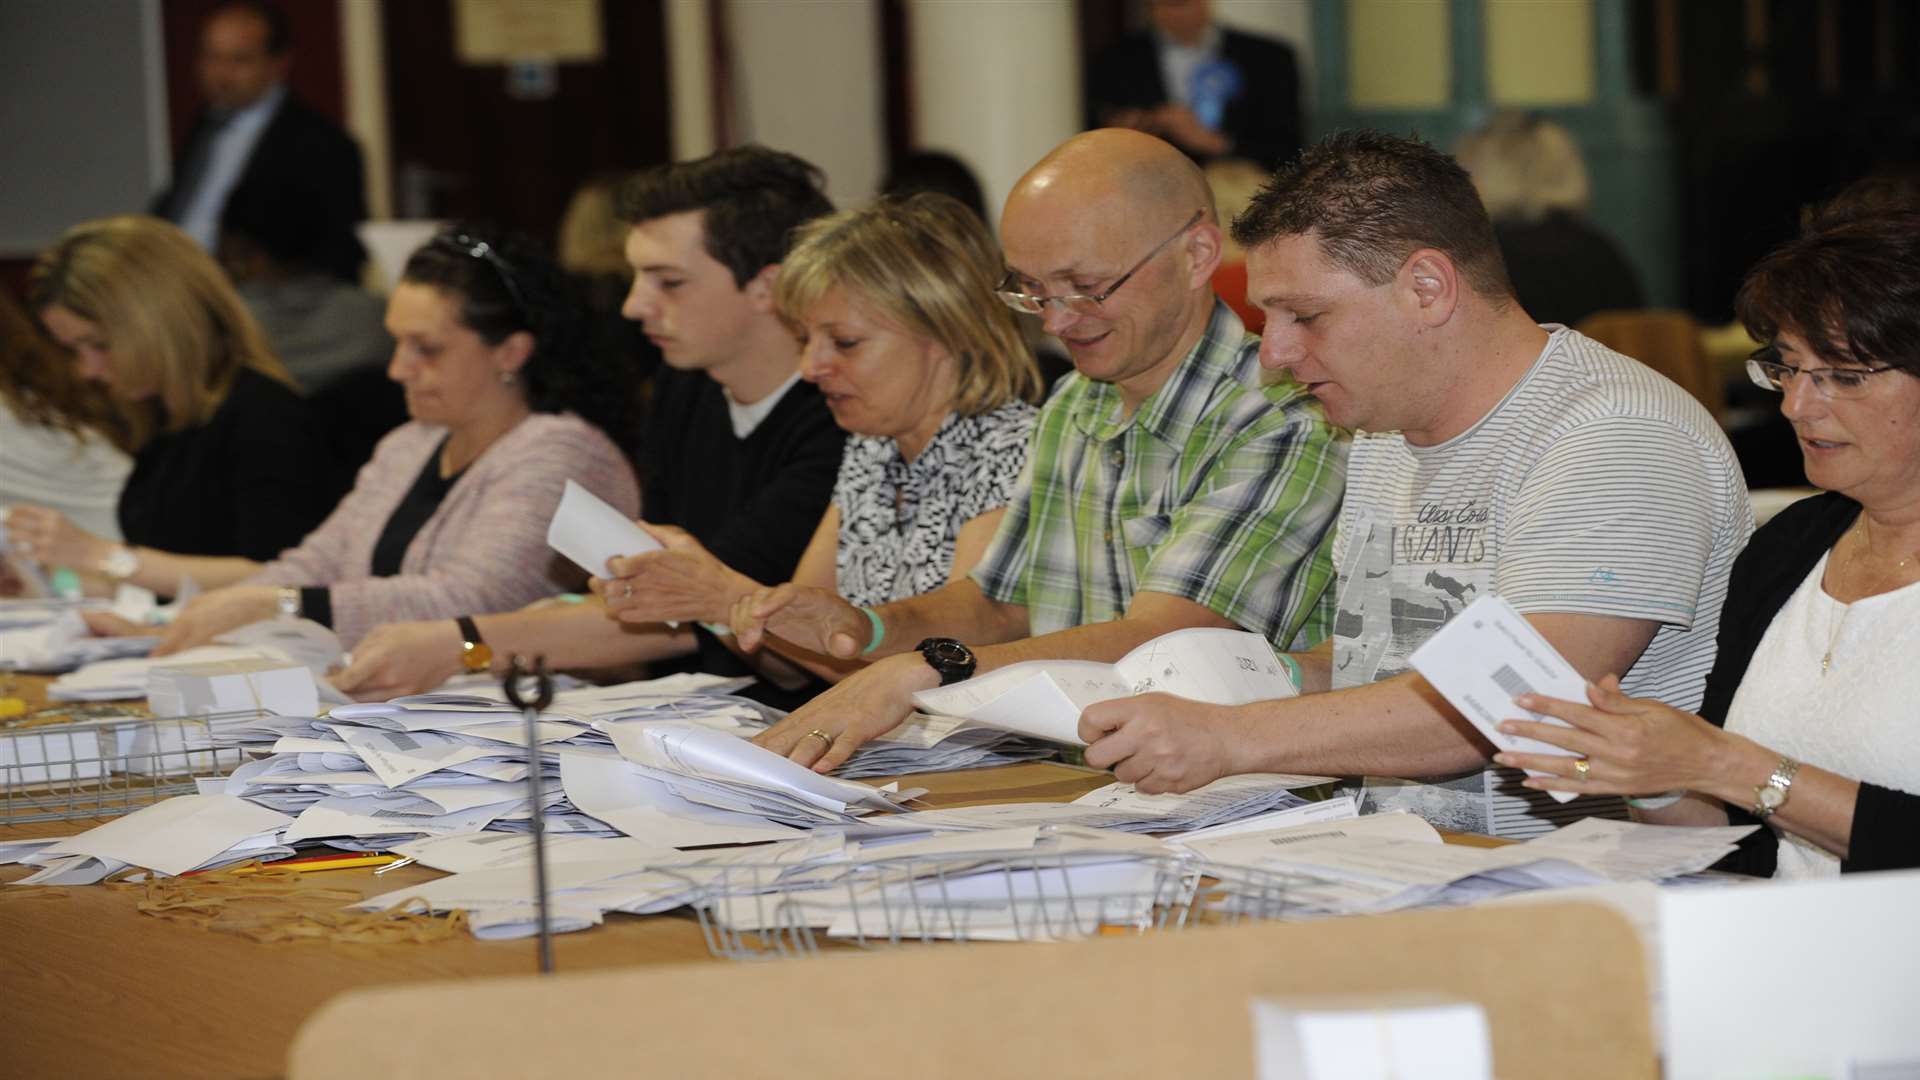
(253, 134)
(1211, 91)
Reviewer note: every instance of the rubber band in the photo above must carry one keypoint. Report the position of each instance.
(879, 631)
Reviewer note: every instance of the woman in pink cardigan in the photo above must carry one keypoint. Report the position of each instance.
(451, 513)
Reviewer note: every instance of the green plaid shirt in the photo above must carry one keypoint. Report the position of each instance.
(1217, 489)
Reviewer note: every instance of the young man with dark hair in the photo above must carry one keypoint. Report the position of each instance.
(737, 450)
(1491, 455)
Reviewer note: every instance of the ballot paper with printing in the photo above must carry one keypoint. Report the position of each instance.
(589, 531)
(1488, 655)
(1044, 698)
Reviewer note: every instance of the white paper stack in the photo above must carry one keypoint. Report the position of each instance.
(117, 680)
(187, 832)
(941, 744)
(1386, 862)
(60, 642)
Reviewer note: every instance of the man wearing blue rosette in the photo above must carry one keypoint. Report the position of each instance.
(1211, 91)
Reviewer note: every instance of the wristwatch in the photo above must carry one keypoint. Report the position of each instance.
(120, 563)
(287, 601)
(952, 660)
(475, 654)
(1772, 795)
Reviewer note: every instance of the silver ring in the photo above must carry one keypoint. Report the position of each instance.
(346, 660)
(628, 595)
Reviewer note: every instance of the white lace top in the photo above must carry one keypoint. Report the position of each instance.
(1860, 720)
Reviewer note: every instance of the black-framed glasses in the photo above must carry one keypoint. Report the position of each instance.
(1080, 303)
(477, 248)
(1768, 373)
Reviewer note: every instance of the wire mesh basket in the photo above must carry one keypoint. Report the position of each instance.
(107, 765)
(765, 911)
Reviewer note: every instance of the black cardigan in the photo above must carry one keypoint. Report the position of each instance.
(1886, 823)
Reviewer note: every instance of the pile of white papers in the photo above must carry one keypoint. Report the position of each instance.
(1028, 883)
(940, 744)
(181, 834)
(1119, 807)
(120, 680)
(1385, 862)
(61, 642)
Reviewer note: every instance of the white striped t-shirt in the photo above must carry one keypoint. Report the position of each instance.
(1595, 487)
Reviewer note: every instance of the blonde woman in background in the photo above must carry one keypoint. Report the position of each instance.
(899, 326)
(1533, 181)
(228, 468)
(63, 443)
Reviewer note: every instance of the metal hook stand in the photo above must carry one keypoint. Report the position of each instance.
(517, 671)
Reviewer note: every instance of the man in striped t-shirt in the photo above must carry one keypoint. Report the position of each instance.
(1491, 455)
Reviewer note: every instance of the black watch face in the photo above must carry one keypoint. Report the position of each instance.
(946, 653)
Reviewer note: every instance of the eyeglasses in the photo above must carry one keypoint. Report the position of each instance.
(1768, 373)
(480, 249)
(1080, 303)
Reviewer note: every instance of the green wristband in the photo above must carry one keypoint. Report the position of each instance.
(879, 631)
(1293, 668)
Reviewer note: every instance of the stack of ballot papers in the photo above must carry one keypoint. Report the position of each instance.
(941, 744)
(1121, 808)
(176, 836)
(1386, 862)
(1028, 883)
(124, 679)
(62, 643)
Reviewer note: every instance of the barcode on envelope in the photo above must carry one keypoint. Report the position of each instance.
(402, 742)
(1511, 681)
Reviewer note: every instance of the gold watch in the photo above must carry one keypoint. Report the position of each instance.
(475, 654)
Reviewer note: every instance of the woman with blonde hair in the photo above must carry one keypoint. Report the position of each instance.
(63, 443)
(227, 465)
(894, 308)
(450, 514)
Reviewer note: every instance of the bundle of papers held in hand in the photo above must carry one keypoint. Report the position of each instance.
(1490, 654)
(1043, 698)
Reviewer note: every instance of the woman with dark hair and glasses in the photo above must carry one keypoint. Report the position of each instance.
(1808, 720)
(450, 515)
(228, 467)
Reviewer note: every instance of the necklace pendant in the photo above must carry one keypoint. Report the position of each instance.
(1826, 663)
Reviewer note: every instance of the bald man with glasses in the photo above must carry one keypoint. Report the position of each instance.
(1169, 485)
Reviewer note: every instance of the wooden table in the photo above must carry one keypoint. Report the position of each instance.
(91, 987)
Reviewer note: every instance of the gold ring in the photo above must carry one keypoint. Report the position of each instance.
(816, 733)
(1581, 766)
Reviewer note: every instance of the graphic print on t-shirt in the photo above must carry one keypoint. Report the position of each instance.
(1403, 579)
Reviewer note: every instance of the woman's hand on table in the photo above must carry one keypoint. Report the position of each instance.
(826, 731)
(1632, 746)
(50, 537)
(214, 613)
(400, 658)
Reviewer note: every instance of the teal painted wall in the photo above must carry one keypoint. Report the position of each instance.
(1626, 139)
